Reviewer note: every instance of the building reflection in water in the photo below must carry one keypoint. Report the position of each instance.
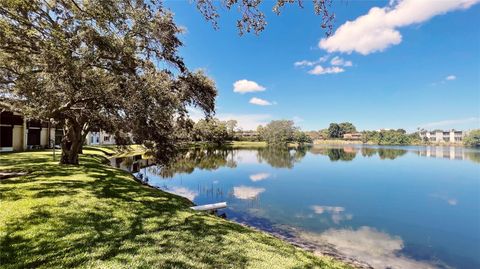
(452, 153)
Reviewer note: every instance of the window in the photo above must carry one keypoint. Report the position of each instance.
(6, 137)
(106, 138)
(33, 137)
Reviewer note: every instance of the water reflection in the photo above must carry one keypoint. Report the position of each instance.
(259, 177)
(281, 157)
(337, 213)
(348, 153)
(213, 159)
(449, 200)
(379, 249)
(247, 193)
(204, 159)
(434, 219)
(452, 153)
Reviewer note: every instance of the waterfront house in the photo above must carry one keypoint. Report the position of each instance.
(352, 136)
(439, 136)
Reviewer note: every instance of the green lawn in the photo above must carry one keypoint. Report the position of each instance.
(117, 151)
(96, 216)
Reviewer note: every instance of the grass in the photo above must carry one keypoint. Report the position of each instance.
(96, 216)
(117, 151)
(247, 144)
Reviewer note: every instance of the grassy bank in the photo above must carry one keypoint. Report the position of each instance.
(95, 216)
(118, 151)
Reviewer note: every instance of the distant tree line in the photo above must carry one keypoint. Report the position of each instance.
(391, 137)
(281, 132)
(212, 130)
(382, 137)
(334, 131)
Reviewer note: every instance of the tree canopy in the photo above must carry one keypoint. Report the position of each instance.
(391, 137)
(337, 130)
(280, 132)
(472, 139)
(111, 64)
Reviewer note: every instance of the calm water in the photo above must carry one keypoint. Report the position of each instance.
(403, 207)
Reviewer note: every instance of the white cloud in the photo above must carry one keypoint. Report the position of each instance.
(319, 70)
(451, 77)
(311, 63)
(378, 249)
(377, 30)
(244, 86)
(259, 102)
(246, 193)
(246, 121)
(447, 124)
(259, 176)
(341, 62)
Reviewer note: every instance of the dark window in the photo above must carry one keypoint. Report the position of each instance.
(10, 118)
(33, 137)
(6, 137)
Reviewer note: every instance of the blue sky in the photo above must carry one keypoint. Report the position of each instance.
(401, 65)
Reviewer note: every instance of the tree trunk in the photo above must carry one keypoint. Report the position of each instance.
(71, 143)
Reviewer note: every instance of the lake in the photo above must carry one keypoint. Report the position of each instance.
(398, 207)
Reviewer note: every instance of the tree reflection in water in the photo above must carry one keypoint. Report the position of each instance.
(348, 153)
(281, 157)
(213, 159)
(278, 157)
(204, 159)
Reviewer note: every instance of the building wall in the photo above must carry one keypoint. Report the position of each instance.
(99, 138)
(44, 137)
(17, 136)
(444, 136)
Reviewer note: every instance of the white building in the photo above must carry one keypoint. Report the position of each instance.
(19, 134)
(439, 136)
(99, 138)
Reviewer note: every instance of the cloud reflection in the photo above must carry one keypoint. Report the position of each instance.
(184, 192)
(378, 249)
(336, 212)
(450, 200)
(259, 176)
(246, 193)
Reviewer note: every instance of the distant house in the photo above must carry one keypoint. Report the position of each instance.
(439, 136)
(17, 133)
(352, 136)
(247, 135)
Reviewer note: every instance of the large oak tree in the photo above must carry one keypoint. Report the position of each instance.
(87, 64)
(110, 64)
